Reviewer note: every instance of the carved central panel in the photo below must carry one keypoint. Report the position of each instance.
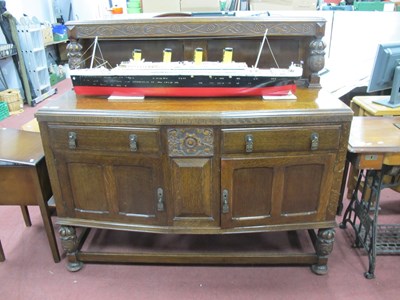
(190, 142)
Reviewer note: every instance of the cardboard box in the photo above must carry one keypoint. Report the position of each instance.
(13, 99)
(157, 6)
(259, 5)
(199, 6)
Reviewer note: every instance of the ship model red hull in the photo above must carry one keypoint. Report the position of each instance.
(188, 92)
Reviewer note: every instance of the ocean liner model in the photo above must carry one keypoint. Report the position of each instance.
(138, 78)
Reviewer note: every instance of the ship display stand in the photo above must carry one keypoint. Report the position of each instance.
(34, 54)
(362, 214)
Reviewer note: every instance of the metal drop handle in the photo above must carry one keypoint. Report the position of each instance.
(249, 143)
(160, 199)
(72, 140)
(314, 141)
(225, 203)
(133, 144)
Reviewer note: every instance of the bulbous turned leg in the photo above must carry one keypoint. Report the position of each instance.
(323, 246)
(70, 243)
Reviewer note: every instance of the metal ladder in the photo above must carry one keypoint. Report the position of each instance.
(34, 54)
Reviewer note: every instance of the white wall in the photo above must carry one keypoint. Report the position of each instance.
(42, 9)
(354, 41)
(90, 9)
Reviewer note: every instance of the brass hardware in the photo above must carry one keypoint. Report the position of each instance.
(314, 141)
(225, 204)
(249, 143)
(160, 199)
(133, 142)
(72, 140)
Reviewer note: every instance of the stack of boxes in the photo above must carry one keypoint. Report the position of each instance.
(13, 100)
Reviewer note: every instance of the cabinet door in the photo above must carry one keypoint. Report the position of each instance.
(195, 203)
(122, 188)
(192, 167)
(258, 191)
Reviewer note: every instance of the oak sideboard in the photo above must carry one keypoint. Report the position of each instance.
(197, 166)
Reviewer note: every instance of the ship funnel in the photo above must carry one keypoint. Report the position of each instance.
(198, 55)
(137, 55)
(227, 56)
(167, 54)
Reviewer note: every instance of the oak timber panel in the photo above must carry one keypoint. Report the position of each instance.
(136, 191)
(306, 180)
(88, 187)
(260, 179)
(192, 192)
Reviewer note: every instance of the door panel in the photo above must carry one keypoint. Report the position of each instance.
(88, 188)
(107, 187)
(261, 193)
(275, 190)
(302, 192)
(192, 191)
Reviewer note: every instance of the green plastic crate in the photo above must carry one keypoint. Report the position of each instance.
(369, 6)
(4, 112)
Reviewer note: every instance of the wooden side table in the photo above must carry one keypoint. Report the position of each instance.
(24, 179)
(364, 106)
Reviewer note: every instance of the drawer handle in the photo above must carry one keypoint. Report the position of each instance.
(160, 199)
(249, 143)
(72, 140)
(314, 141)
(133, 142)
(225, 204)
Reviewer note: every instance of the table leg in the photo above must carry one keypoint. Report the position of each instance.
(25, 214)
(2, 256)
(47, 222)
(48, 225)
(344, 180)
(362, 215)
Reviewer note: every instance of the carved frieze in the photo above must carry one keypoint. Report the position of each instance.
(196, 29)
(190, 142)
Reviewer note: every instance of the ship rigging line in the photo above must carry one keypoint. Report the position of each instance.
(100, 61)
(269, 47)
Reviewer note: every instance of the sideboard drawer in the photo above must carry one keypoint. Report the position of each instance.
(116, 139)
(258, 140)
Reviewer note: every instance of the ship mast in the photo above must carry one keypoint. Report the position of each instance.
(94, 52)
(262, 46)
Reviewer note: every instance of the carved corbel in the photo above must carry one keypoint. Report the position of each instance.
(316, 61)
